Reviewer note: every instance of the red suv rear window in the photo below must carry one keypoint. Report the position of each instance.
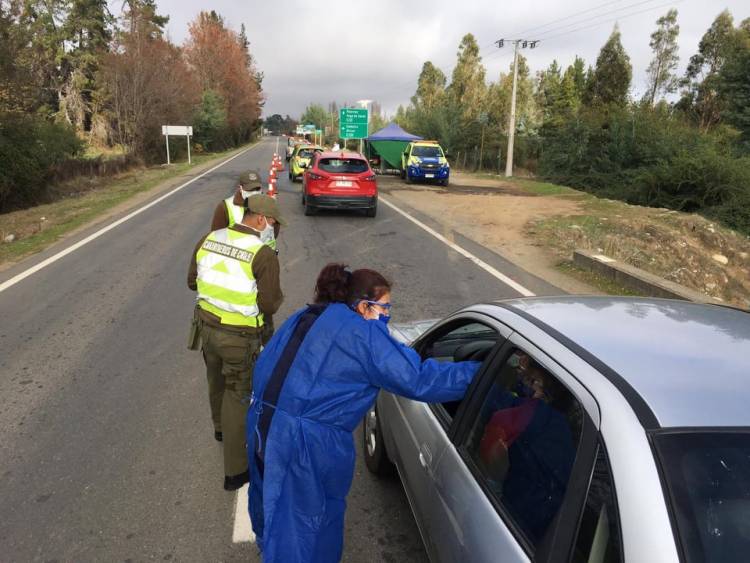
(343, 165)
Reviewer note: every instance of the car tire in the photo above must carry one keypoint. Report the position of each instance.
(309, 209)
(409, 179)
(444, 182)
(373, 447)
(291, 177)
(372, 211)
(403, 174)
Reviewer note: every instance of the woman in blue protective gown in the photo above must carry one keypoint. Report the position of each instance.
(312, 385)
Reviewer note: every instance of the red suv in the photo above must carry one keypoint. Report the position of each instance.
(339, 180)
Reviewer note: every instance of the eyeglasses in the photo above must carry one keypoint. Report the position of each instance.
(386, 306)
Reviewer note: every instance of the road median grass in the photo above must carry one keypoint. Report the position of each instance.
(88, 200)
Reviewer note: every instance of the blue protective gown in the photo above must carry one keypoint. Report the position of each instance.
(302, 463)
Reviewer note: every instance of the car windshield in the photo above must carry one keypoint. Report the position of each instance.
(305, 153)
(427, 152)
(343, 165)
(708, 478)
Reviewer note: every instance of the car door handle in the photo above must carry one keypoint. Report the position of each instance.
(425, 456)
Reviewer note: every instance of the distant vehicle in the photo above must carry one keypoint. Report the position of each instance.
(597, 430)
(425, 160)
(340, 180)
(300, 159)
(291, 142)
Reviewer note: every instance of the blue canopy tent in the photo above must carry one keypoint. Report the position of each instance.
(390, 142)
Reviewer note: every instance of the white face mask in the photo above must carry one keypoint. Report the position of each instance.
(267, 234)
(245, 194)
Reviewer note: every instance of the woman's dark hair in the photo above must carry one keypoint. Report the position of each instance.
(336, 284)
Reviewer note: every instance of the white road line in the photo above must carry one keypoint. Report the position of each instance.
(243, 531)
(72, 248)
(479, 262)
(277, 146)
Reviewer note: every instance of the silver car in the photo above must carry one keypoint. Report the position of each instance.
(597, 430)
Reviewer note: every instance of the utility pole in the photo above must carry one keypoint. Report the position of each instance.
(512, 119)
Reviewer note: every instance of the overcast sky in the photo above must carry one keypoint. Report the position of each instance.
(320, 51)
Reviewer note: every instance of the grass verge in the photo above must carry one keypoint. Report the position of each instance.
(36, 228)
(545, 188)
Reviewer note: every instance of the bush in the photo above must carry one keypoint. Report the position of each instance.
(650, 156)
(29, 147)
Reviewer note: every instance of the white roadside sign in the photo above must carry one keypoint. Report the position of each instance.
(177, 130)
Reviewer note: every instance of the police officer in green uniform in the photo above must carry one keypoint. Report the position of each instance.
(230, 211)
(236, 276)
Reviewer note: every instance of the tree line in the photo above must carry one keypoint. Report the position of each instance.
(74, 79)
(685, 144)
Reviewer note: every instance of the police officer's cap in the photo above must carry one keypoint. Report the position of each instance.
(265, 205)
(251, 179)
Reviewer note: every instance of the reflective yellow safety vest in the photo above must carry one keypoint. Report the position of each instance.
(234, 212)
(226, 283)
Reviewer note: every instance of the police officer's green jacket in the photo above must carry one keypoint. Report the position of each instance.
(237, 278)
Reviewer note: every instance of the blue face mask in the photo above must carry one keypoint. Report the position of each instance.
(381, 317)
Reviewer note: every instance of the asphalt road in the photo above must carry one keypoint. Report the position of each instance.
(106, 445)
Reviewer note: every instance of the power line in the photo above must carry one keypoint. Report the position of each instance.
(618, 18)
(593, 18)
(582, 12)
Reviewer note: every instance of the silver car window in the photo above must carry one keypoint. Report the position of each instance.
(469, 341)
(523, 443)
(598, 539)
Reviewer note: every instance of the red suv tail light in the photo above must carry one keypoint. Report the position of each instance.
(369, 178)
(314, 176)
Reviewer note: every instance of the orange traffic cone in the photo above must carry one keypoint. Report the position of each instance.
(272, 187)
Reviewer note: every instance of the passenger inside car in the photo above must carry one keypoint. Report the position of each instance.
(524, 442)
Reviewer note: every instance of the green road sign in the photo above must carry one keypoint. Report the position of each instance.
(352, 123)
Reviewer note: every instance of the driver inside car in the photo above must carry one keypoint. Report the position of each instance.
(527, 448)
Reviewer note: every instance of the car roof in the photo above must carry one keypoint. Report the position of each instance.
(689, 362)
(341, 154)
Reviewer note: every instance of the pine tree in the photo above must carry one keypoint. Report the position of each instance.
(430, 87)
(467, 87)
(613, 72)
(700, 96)
(577, 72)
(88, 29)
(465, 99)
(315, 114)
(548, 87)
(210, 120)
(661, 76)
(37, 23)
(734, 84)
